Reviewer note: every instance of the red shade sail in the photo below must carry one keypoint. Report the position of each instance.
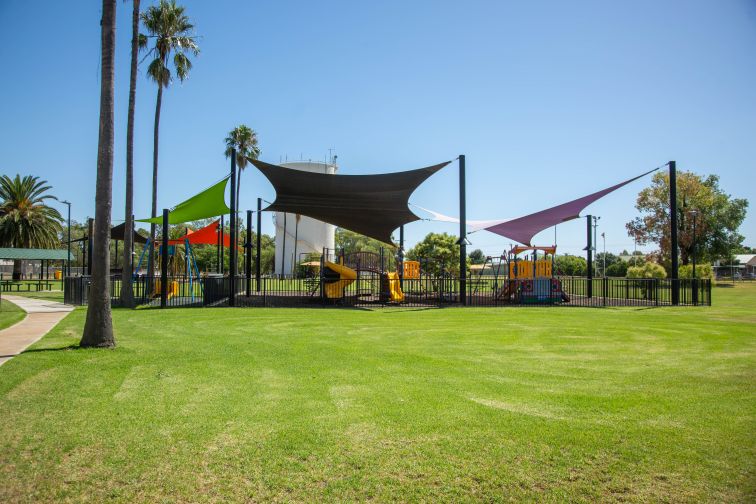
(208, 235)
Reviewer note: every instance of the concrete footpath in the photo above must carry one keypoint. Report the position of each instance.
(41, 316)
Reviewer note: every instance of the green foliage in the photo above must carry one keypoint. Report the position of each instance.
(476, 257)
(570, 265)
(350, 242)
(618, 269)
(702, 271)
(243, 140)
(718, 217)
(437, 252)
(171, 33)
(25, 219)
(647, 270)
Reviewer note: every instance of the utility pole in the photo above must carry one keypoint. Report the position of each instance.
(589, 256)
(232, 251)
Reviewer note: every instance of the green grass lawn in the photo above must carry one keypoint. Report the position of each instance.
(538, 404)
(9, 314)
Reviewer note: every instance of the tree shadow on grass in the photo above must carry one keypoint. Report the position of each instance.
(54, 349)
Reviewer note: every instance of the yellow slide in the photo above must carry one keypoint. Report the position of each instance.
(337, 279)
(395, 288)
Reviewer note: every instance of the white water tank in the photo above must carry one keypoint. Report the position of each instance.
(302, 235)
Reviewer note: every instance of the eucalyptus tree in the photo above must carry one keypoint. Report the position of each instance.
(25, 219)
(170, 33)
(98, 328)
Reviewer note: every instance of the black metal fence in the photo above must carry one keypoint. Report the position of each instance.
(374, 289)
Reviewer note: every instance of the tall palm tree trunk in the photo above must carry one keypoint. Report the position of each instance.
(98, 329)
(127, 291)
(155, 139)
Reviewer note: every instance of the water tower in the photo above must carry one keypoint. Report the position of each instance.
(298, 234)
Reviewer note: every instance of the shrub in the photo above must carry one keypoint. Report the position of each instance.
(647, 270)
(702, 271)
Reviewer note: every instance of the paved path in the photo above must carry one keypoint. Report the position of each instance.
(41, 316)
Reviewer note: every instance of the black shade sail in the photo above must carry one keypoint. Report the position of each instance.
(372, 205)
(117, 233)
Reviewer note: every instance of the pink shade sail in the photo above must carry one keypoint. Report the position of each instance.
(523, 229)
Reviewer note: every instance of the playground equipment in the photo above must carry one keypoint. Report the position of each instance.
(528, 279)
(412, 270)
(335, 278)
(366, 269)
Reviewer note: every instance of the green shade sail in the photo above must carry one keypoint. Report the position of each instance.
(209, 203)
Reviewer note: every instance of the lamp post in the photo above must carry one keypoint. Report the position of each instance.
(603, 266)
(595, 226)
(68, 262)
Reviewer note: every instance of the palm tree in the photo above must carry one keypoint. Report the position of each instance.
(171, 33)
(127, 293)
(243, 140)
(25, 220)
(98, 329)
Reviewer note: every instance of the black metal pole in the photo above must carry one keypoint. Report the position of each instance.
(462, 233)
(90, 232)
(589, 255)
(259, 234)
(232, 235)
(674, 249)
(222, 246)
(401, 257)
(248, 247)
(164, 261)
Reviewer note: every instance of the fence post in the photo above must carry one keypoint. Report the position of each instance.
(605, 289)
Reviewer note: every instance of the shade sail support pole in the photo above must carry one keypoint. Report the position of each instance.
(259, 233)
(232, 251)
(248, 250)
(164, 261)
(589, 255)
(674, 249)
(462, 233)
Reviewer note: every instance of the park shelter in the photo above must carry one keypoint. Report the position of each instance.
(44, 256)
(372, 205)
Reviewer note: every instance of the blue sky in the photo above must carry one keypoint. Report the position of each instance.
(547, 100)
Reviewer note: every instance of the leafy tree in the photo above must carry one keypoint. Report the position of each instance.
(98, 328)
(349, 242)
(647, 270)
(743, 249)
(25, 219)
(477, 257)
(618, 269)
(127, 292)
(171, 33)
(570, 265)
(718, 217)
(435, 252)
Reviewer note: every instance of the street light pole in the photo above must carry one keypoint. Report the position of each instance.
(603, 267)
(68, 262)
(595, 226)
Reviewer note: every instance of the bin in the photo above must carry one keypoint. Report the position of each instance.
(58, 274)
